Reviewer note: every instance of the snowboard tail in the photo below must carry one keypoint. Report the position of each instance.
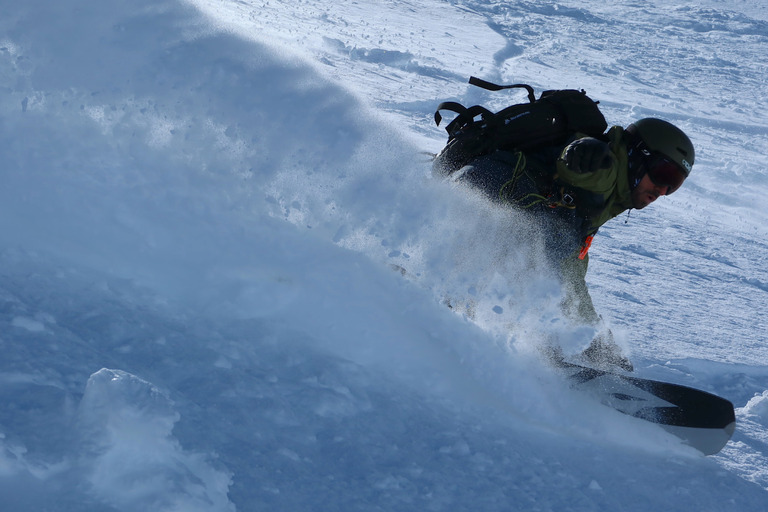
(702, 420)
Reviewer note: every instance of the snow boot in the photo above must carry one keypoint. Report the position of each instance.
(604, 354)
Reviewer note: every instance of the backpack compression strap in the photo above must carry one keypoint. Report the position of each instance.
(467, 115)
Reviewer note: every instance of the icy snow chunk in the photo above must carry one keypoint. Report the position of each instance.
(135, 461)
(758, 406)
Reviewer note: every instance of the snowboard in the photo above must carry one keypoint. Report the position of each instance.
(702, 420)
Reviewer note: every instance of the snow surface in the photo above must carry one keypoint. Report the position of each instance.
(205, 207)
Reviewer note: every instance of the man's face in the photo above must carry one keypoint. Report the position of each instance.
(647, 192)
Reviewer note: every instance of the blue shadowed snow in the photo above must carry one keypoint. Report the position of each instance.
(224, 266)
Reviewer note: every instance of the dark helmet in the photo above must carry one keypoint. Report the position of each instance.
(653, 142)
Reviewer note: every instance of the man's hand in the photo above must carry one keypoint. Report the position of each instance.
(587, 155)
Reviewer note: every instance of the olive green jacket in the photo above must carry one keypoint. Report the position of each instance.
(599, 196)
(579, 203)
(603, 194)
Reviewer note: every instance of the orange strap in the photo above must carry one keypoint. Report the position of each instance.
(585, 247)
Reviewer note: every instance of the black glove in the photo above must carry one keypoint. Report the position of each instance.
(587, 155)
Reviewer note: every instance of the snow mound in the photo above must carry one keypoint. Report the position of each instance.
(137, 464)
(757, 407)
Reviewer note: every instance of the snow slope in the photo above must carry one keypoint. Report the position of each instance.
(204, 207)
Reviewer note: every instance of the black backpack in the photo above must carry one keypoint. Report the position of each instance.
(549, 121)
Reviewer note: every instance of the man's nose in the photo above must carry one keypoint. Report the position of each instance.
(661, 189)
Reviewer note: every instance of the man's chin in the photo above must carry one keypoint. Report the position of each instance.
(639, 205)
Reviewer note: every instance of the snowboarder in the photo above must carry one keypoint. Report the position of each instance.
(576, 188)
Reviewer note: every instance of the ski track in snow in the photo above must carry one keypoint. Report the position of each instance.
(201, 206)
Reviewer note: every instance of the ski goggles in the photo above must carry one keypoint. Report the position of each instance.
(666, 173)
(662, 171)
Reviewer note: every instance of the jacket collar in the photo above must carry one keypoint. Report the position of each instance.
(622, 195)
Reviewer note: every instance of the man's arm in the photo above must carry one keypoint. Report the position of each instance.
(587, 155)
